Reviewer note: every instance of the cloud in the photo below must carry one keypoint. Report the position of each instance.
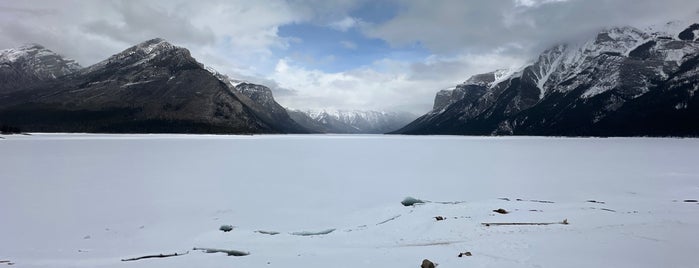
(243, 31)
(533, 3)
(348, 44)
(450, 26)
(241, 38)
(136, 22)
(384, 84)
(344, 24)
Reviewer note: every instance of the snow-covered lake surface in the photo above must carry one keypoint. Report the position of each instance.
(92, 200)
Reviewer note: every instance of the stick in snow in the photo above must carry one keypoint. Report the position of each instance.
(155, 256)
(564, 222)
(390, 219)
(229, 252)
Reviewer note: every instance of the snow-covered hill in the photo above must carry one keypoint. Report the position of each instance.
(624, 81)
(351, 121)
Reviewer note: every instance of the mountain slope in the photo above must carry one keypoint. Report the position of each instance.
(151, 87)
(351, 122)
(624, 82)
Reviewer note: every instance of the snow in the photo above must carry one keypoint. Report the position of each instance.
(137, 83)
(549, 63)
(38, 58)
(349, 116)
(678, 55)
(501, 73)
(233, 83)
(79, 200)
(505, 74)
(602, 85)
(13, 54)
(154, 46)
(669, 29)
(139, 54)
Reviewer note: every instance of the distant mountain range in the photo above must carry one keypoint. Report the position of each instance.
(151, 87)
(623, 82)
(154, 87)
(351, 121)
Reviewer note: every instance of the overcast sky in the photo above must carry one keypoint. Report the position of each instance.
(344, 54)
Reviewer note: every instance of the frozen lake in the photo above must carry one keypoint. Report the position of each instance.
(77, 200)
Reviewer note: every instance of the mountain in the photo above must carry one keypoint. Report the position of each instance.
(151, 87)
(30, 64)
(260, 100)
(623, 82)
(353, 121)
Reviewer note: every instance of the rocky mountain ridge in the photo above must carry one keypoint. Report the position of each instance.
(151, 87)
(623, 82)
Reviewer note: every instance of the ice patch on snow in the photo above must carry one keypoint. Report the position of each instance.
(309, 233)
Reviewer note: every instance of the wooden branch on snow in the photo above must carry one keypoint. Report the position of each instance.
(229, 252)
(156, 256)
(564, 222)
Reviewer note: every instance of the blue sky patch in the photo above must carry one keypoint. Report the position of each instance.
(332, 50)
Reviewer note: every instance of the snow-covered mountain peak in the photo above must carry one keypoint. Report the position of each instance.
(38, 60)
(617, 40)
(151, 48)
(483, 80)
(502, 73)
(486, 79)
(145, 52)
(13, 54)
(28, 50)
(669, 30)
(154, 45)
